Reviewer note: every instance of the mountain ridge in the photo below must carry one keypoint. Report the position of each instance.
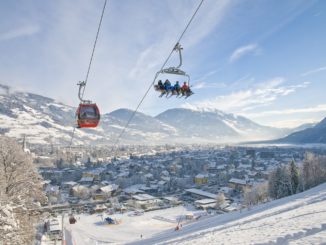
(313, 135)
(44, 120)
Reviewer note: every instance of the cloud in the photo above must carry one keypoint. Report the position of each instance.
(203, 85)
(293, 123)
(244, 50)
(318, 108)
(245, 100)
(314, 71)
(127, 55)
(23, 31)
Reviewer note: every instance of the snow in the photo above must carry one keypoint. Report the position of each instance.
(201, 193)
(237, 181)
(143, 197)
(109, 188)
(298, 219)
(205, 201)
(91, 229)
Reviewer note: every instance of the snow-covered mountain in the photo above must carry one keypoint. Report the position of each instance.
(44, 120)
(315, 134)
(217, 125)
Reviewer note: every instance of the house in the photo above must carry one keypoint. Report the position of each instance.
(80, 191)
(68, 185)
(174, 201)
(201, 179)
(196, 193)
(230, 207)
(205, 203)
(86, 181)
(145, 201)
(95, 174)
(238, 184)
(104, 192)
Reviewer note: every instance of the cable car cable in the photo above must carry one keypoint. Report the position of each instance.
(89, 65)
(94, 46)
(152, 83)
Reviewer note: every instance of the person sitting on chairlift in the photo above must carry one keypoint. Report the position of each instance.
(177, 87)
(185, 88)
(160, 85)
(167, 85)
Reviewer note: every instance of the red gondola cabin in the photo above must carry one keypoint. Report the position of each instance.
(88, 115)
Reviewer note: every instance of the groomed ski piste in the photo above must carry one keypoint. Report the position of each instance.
(297, 219)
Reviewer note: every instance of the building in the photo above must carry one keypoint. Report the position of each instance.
(174, 201)
(201, 179)
(199, 194)
(206, 203)
(238, 184)
(145, 201)
(103, 193)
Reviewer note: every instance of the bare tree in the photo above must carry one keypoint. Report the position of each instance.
(20, 192)
(255, 195)
(220, 199)
(313, 170)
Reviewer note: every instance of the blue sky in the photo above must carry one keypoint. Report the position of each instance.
(265, 60)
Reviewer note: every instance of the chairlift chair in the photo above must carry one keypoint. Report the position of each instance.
(174, 71)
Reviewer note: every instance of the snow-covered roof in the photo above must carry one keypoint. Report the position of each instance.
(109, 188)
(71, 183)
(199, 176)
(161, 182)
(201, 193)
(220, 167)
(171, 199)
(165, 172)
(143, 197)
(86, 179)
(149, 175)
(238, 181)
(166, 178)
(205, 201)
(134, 189)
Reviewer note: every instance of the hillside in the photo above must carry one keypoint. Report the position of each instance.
(216, 125)
(315, 134)
(298, 219)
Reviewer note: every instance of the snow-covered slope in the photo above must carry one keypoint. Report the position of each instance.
(40, 119)
(315, 134)
(297, 219)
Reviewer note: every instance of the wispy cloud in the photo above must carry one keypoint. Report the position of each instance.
(291, 123)
(244, 50)
(23, 31)
(245, 100)
(313, 71)
(318, 108)
(203, 85)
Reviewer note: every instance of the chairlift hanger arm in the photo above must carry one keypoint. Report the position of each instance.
(82, 85)
(178, 48)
